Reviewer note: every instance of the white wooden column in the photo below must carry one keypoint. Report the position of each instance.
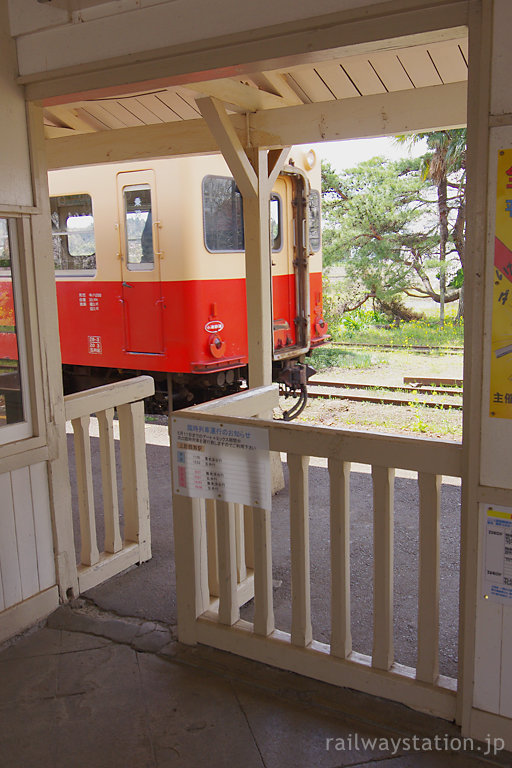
(255, 172)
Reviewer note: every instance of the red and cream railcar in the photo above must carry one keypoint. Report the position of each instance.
(150, 271)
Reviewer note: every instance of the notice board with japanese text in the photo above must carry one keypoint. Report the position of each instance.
(221, 461)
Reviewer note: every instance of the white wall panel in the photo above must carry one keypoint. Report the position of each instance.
(506, 665)
(9, 563)
(15, 180)
(25, 531)
(43, 525)
(27, 564)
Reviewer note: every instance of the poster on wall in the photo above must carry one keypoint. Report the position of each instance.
(221, 461)
(501, 343)
(497, 554)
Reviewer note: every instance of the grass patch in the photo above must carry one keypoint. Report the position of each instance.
(330, 357)
(369, 327)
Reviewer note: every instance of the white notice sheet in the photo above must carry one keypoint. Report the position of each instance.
(221, 461)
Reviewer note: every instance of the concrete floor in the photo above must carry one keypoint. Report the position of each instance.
(90, 690)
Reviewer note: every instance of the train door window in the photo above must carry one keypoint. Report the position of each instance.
(276, 223)
(140, 253)
(314, 220)
(74, 247)
(223, 218)
(15, 421)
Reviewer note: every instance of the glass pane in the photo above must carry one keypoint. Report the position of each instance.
(11, 400)
(223, 215)
(314, 220)
(275, 222)
(139, 227)
(74, 245)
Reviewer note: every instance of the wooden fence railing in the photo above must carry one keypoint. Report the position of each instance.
(209, 567)
(134, 546)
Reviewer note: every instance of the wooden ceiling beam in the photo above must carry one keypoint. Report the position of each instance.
(435, 107)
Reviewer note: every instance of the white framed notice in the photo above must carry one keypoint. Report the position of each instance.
(497, 554)
(221, 461)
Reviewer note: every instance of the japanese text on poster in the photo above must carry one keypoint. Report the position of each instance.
(497, 562)
(501, 345)
(221, 461)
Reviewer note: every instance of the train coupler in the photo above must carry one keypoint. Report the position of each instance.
(293, 379)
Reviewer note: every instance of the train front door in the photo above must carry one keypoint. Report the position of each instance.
(140, 262)
(289, 265)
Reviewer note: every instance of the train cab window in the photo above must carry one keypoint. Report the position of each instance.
(74, 246)
(314, 220)
(14, 400)
(275, 223)
(223, 217)
(140, 253)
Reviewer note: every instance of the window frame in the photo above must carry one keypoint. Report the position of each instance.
(278, 198)
(138, 266)
(80, 274)
(219, 250)
(21, 430)
(316, 194)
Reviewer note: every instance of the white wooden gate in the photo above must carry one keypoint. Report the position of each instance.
(119, 552)
(213, 576)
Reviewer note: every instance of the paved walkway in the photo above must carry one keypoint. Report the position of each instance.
(92, 690)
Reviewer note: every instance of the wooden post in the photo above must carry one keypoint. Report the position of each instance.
(302, 633)
(339, 481)
(113, 542)
(383, 503)
(427, 667)
(255, 172)
(134, 472)
(89, 554)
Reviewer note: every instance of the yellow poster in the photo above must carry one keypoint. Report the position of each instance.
(501, 345)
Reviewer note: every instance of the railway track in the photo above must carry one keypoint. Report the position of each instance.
(330, 390)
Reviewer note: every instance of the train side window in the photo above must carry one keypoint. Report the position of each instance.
(140, 253)
(223, 218)
(276, 223)
(74, 246)
(314, 220)
(15, 420)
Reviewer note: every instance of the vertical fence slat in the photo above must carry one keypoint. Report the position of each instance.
(229, 612)
(89, 554)
(249, 538)
(427, 669)
(113, 541)
(339, 480)
(263, 596)
(135, 477)
(240, 543)
(211, 546)
(191, 588)
(299, 544)
(383, 502)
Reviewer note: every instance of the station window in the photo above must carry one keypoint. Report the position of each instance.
(314, 220)
(223, 216)
(14, 401)
(74, 246)
(140, 253)
(276, 223)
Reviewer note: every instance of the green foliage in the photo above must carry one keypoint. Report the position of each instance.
(371, 230)
(388, 223)
(424, 332)
(331, 357)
